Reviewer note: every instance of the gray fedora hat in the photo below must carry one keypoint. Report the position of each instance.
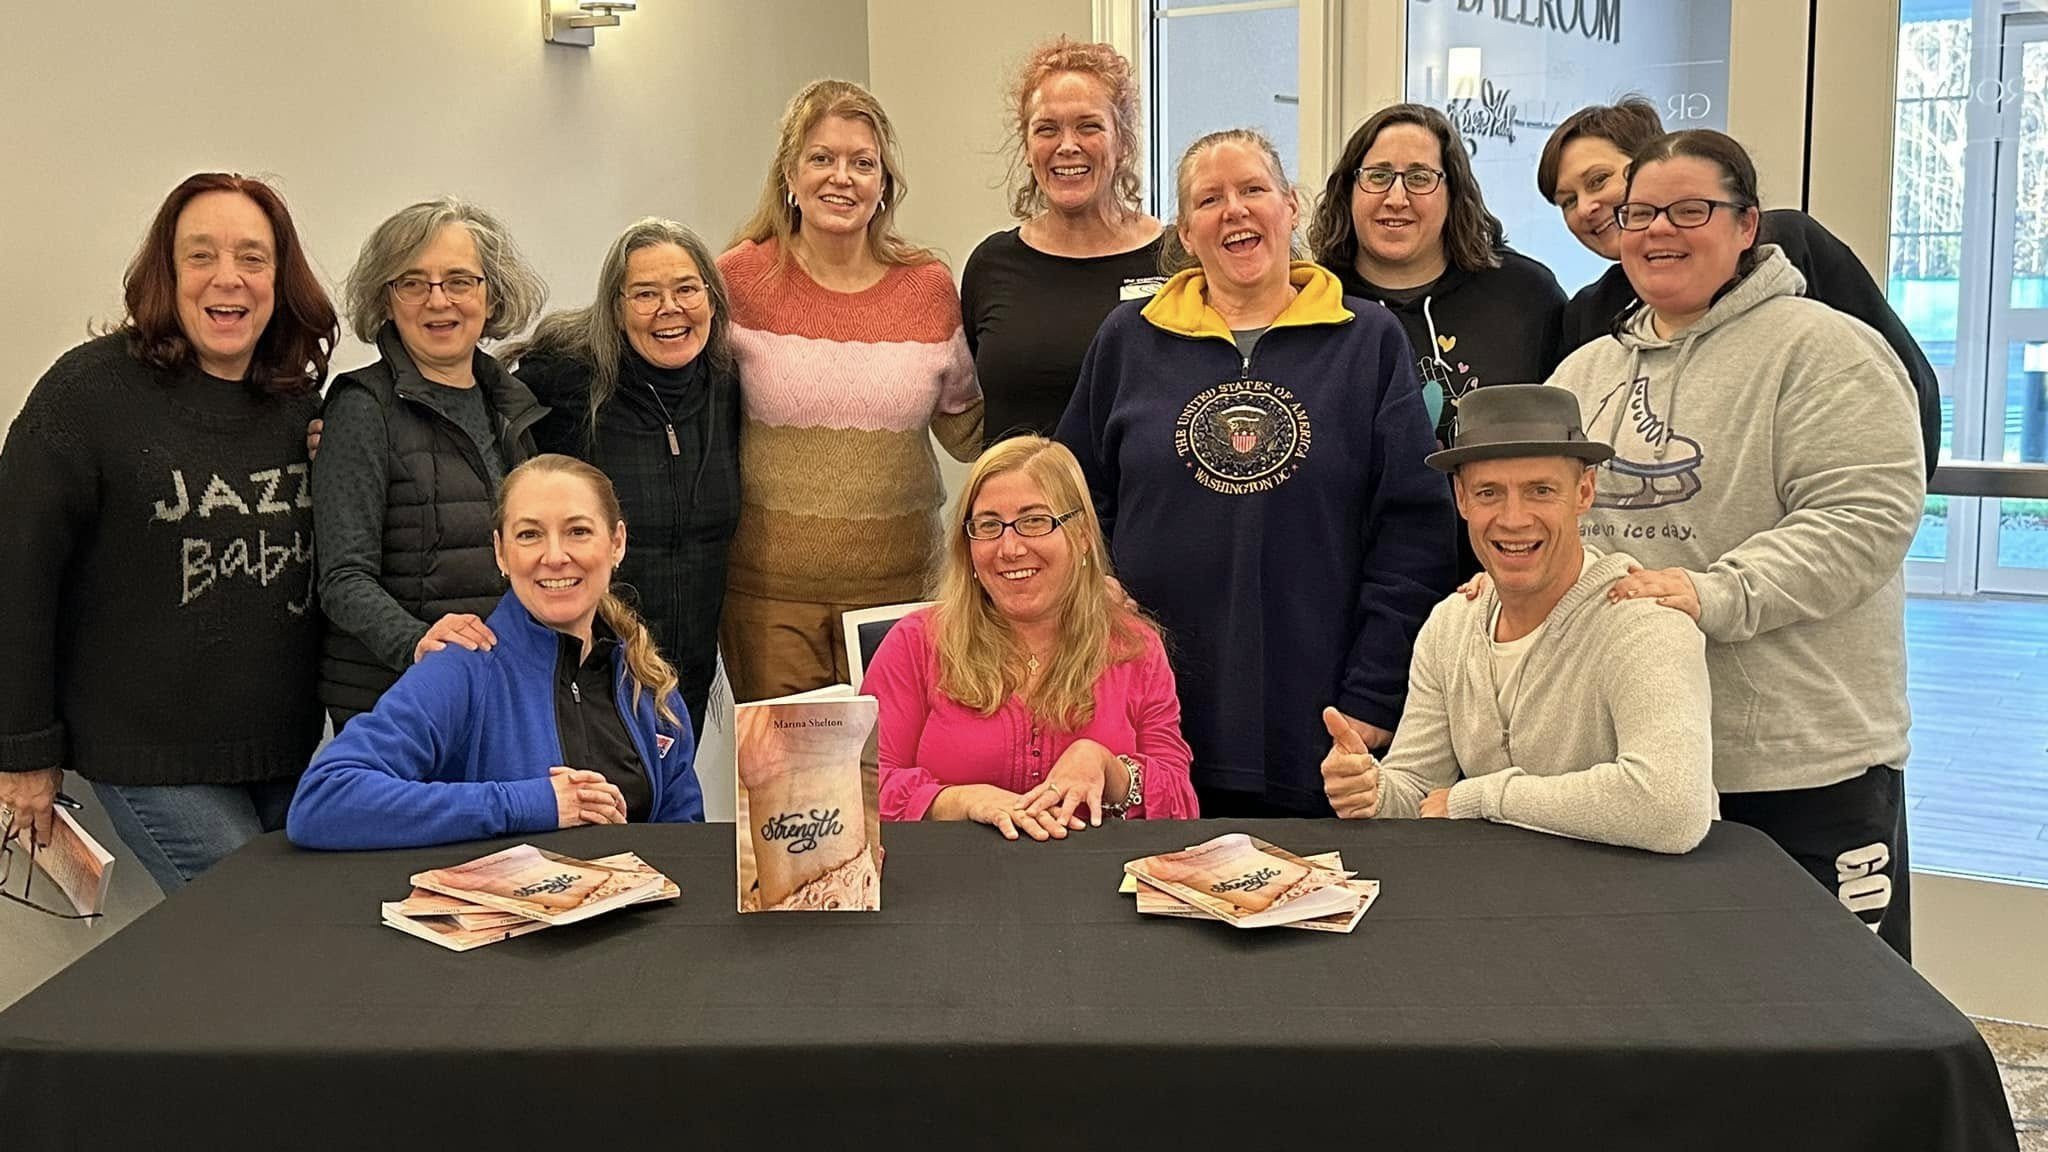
(1503, 420)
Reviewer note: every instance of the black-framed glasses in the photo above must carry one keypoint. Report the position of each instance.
(1636, 215)
(646, 300)
(1030, 524)
(8, 854)
(1419, 181)
(416, 289)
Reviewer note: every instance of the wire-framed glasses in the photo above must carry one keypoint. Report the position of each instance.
(1029, 524)
(646, 299)
(1419, 181)
(9, 854)
(416, 289)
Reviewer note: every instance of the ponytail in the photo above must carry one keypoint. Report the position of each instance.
(650, 672)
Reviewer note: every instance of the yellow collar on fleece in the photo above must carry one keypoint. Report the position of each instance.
(1182, 305)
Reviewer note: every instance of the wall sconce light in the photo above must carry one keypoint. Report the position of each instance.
(577, 26)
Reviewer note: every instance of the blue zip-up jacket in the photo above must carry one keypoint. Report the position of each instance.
(460, 747)
(1274, 512)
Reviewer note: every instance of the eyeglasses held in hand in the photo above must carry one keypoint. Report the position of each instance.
(1033, 524)
(416, 289)
(647, 301)
(1420, 181)
(1635, 216)
(8, 852)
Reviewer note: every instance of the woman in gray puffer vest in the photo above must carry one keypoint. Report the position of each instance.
(415, 445)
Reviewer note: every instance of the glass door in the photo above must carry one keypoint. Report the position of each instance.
(2012, 535)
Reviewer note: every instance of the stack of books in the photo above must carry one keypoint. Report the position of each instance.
(1246, 882)
(520, 890)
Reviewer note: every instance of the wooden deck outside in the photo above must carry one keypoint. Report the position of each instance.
(1977, 783)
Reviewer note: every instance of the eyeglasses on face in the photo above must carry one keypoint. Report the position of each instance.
(1420, 181)
(1032, 524)
(8, 853)
(1635, 216)
(646, 300)
(416, 289)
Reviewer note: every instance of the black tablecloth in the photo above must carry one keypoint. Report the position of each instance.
(1509, 990)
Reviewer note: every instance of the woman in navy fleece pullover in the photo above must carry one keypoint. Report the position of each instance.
(1253, 443)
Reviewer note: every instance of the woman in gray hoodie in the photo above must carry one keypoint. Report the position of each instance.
(1768, 475)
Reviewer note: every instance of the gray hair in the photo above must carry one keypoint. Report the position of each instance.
(1173, 254)
(514, 290)
(595, 333)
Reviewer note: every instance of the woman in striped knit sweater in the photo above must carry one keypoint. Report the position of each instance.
(851, 356)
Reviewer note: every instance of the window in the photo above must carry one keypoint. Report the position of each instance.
(1508, 74)
(1215, 64)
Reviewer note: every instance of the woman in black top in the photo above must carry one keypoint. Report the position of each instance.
(158, 628)
(415, 445)
(1584, 171)
(642, 383)
(1402, 223)
(1032, 297)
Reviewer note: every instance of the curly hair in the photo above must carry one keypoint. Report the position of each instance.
(1107, 67)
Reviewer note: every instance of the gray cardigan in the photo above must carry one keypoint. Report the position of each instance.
(1610, 739)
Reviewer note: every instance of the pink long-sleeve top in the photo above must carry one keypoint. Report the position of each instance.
(930, 742)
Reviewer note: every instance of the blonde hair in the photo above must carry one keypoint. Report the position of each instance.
(981, 664)
(1107, 67)
(1173, 254)
(775, 218)
(643, 658)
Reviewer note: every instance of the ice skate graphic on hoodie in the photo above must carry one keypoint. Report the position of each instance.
(1653, 466)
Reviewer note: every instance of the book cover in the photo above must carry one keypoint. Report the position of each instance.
(443, 930)
(541, 885)
(808, 815)
(77, 864)
(1234, 880)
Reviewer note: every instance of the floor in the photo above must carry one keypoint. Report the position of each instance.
(2022, 1054)
(1977, 784)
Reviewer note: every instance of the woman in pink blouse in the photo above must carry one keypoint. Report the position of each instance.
(1029, 695)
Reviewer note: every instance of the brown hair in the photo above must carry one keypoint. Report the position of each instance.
(1628, 125)
(1472, 235)
(643, 659)
(1738, 175)
(1174, 256)
(292, 351)
(980, 662)
(775, 218)
(1107, 67)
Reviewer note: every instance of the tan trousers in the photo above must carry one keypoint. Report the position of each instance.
(780, 647)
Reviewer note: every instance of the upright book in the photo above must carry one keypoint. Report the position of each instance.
(808, 826)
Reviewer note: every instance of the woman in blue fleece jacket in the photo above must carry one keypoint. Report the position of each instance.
(564, 714)
(1254, 446)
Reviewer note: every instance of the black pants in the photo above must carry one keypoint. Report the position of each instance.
(1851, 837)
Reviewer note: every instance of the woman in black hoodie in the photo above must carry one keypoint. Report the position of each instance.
(1402, 223)
(642, 384)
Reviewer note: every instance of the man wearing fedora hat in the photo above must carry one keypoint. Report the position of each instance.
(1540, 702)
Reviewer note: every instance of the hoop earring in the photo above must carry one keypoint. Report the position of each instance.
(881, 206)
(791, 197)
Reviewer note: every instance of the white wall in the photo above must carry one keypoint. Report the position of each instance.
(940, 68)
(359, 108)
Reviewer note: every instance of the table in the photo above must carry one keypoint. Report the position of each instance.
(1510, 989)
